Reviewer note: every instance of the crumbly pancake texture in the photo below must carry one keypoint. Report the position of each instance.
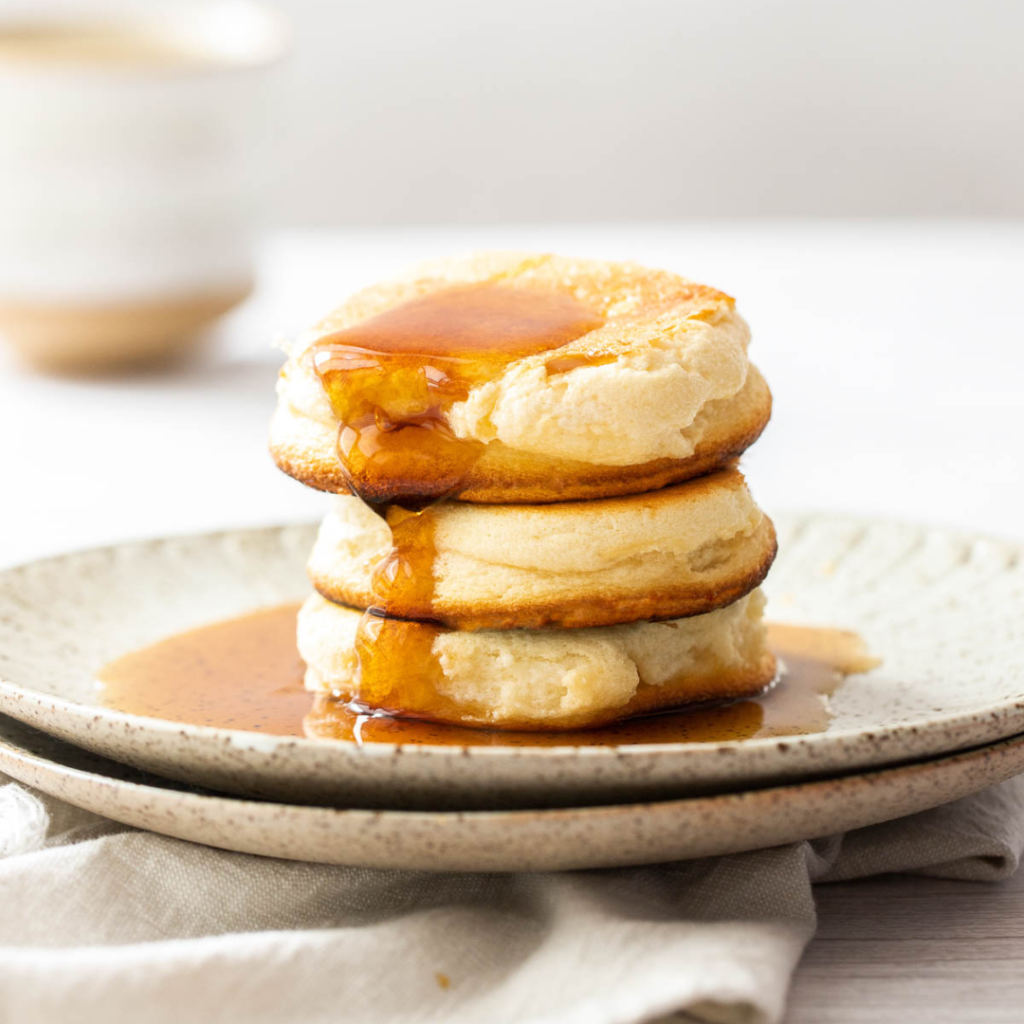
(684, 550)
(661, 392)
(553, 679)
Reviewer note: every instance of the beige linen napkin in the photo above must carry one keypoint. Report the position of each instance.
(99, 922)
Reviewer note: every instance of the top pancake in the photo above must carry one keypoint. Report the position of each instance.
(658, 391)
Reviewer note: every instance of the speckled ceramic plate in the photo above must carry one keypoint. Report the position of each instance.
(533, 840)
(944, 611)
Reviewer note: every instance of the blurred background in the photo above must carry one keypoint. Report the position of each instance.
(852, 172)
(446, 111)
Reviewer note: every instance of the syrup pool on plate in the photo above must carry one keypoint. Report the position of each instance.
(246, 674)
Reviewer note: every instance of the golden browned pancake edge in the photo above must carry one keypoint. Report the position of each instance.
(717, 687)
(306, 450)
(547, 680)
(715, 590)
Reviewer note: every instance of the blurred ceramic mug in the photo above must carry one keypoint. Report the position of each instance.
(130, 171)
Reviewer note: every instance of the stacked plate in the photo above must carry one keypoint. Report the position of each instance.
(941, 718)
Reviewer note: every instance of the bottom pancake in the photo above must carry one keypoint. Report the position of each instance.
(535, 679)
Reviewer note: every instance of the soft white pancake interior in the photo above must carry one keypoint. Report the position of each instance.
(488, 555)
(645, 405)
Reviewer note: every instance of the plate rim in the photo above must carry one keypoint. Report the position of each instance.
(11, 693)
(264, 742)
(11, 752)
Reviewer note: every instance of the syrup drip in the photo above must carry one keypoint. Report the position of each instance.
(563, 364)
(392, 379)
(389, 649)
(403, 580)
(246, 674)
(398, 670)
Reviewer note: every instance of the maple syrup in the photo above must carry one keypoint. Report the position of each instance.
(238, 674)
(563, 364)
(387, 646)
(246, 674)
(404, 577)
(392, 379)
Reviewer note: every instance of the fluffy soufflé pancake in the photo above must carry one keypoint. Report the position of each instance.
(538, 523)
(518, 378)
(543, 679)
(680, 551)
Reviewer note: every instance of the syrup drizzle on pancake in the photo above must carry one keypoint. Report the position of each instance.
(394, 656)
(246, 674)
(391, 381)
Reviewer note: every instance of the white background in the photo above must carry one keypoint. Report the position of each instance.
(698, 136)
(894, 352)
(405, 111)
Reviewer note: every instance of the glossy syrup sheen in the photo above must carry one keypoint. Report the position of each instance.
(403, 579)
(402, 582)
(392, 379)
(246, 674)
(238, 674)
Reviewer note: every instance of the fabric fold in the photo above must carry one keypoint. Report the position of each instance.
(106, 922)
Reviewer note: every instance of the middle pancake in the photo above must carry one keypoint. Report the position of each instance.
(684, 550)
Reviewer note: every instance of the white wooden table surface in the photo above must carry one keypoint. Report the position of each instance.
(896, 356)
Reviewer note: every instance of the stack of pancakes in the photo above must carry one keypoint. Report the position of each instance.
(539, 522)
